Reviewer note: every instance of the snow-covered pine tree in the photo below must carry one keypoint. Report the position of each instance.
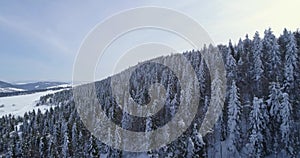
(272, 57)
(19, 151)
(257, 66)
(242, 71)
(234, 114)
(11, 150)
(274, 103)
(286, 125)
(230, 64)
(51, 147)
(197, 142)
(81, 143)
(290, 64)
(274, 100)
(190, 148)
(283, 40)
(43, 146)
(258, 122)
(56, 137)
(66, 145)
(241, 59)
(74, 141)
(93, 148)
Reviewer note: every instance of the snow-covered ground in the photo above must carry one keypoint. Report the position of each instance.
(18, 105)
(10, 89)
(61, 86)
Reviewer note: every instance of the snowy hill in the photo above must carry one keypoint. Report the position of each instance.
(18, 105)
(9, 87)
(260, 116)
(5, 84)
(39, 85)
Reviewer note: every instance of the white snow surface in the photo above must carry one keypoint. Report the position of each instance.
(60, 86)
(10, 89)
(18, 105)
(22, 83)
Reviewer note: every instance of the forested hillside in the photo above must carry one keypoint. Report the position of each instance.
(261, 114)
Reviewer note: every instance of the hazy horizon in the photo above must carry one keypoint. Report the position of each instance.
(40, 40)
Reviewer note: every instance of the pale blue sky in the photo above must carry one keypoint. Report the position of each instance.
(39, 39)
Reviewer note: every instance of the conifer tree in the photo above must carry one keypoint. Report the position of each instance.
(234, 114)
(258, 125)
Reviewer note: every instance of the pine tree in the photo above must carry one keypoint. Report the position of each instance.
(234, 114)
(274, 103)
(197, 142)
(283, 40)
(93, 148)
(43, 146)
(286, 125)
(291, 59)
(274, 100)
(242, 70)
(56, 137)
(66, 145)
(190, 148)
(259, 119)
(272, 58)
(75, 139)
(51, 148)
(230, 66)
(230, 63)
(257, 67)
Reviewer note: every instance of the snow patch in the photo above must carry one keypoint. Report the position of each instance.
(10, 89)
(60, 86)
(18, 105)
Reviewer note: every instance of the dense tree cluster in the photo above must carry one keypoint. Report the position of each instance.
(261, 114)
(265, 111)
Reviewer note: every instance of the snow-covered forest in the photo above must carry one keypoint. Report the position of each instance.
(261, 115)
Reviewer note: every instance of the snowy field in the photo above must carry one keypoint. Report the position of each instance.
(61, 86)
(18, 105)
(10, 89)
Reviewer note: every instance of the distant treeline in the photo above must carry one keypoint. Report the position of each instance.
(6, 94)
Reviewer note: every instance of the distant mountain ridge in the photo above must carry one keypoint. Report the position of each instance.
(5, 84)
(6, 87)
(39, 85)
